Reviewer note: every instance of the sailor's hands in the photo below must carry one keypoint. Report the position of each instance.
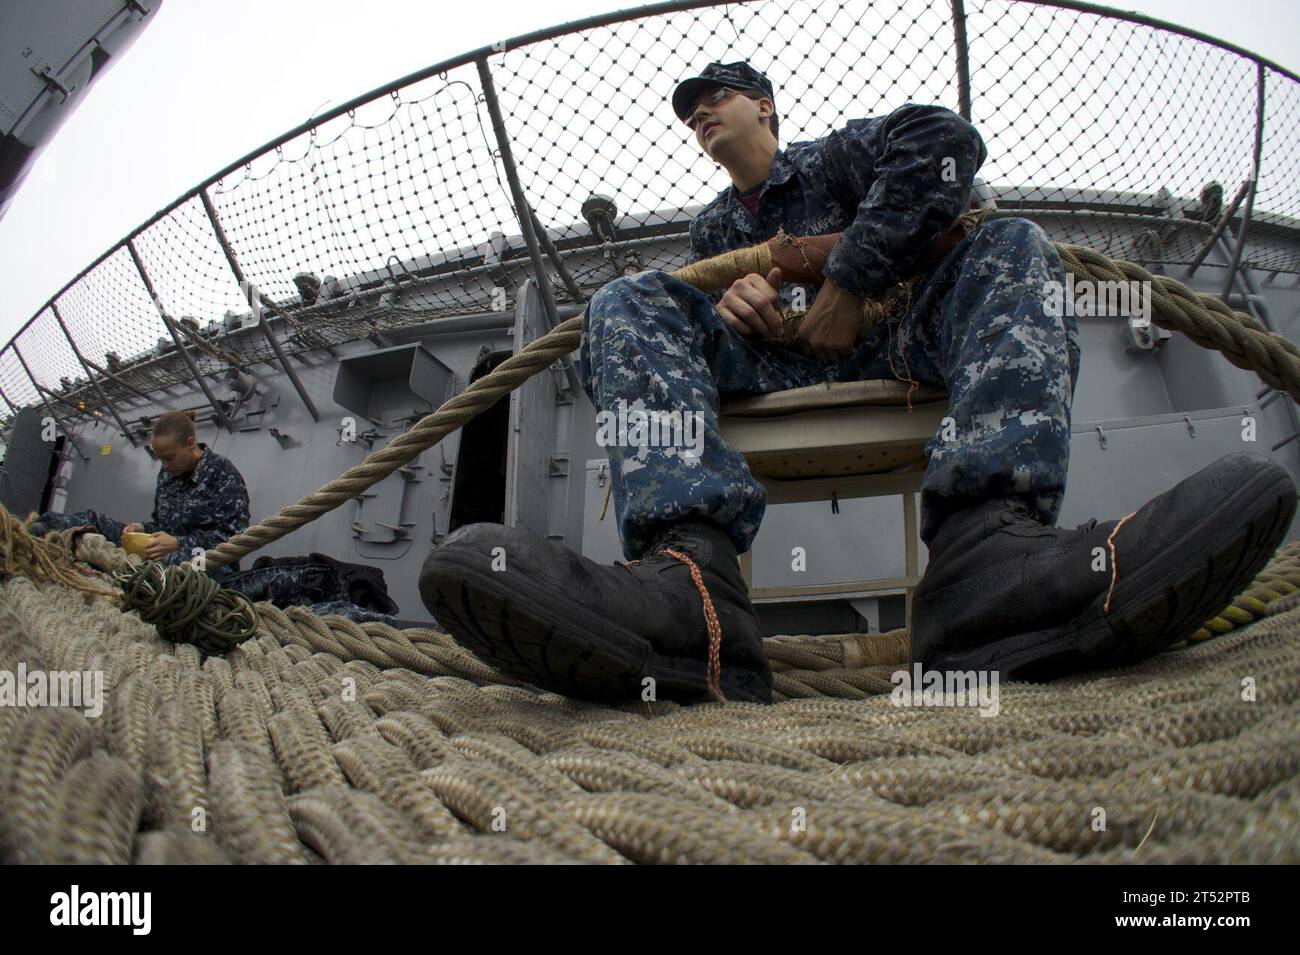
(135, 527)
(829, 330)
(752, 305)
(160, 545)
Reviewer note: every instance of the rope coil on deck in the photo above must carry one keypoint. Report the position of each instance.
(187, 605)
(321, 740)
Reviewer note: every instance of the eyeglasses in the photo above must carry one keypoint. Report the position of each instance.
(709, 100)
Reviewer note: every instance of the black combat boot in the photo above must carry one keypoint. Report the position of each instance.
(1004, 592)
(679, 616)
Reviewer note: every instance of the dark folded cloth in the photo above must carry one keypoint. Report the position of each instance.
(318, 580)
(357, 614)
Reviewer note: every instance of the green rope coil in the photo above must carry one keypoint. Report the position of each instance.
(187, 606)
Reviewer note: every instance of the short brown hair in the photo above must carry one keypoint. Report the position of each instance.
(177, 425)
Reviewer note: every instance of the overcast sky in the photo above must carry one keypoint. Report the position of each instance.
(210, 80)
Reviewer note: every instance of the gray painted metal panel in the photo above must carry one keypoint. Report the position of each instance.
(1114, 382)
(550, 423)
(1142, 459)
(26, 467)
(48, 35)
(599, 534)
(54, 52)
(387, 383)
(533, 422)
(864, 541)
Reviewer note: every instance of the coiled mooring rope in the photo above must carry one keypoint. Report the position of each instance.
(279, 752)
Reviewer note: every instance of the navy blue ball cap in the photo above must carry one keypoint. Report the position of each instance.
(737, 76)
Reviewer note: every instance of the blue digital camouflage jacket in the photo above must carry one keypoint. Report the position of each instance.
(891, 184)
(201, 508)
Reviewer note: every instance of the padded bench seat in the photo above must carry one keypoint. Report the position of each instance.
(848, 439)
(831, 430)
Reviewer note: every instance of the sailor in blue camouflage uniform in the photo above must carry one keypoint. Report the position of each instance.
(977, 325)
(1004, 588)
(200, 500)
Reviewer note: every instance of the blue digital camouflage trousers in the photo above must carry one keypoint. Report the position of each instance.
(980, 326)
(110, 527)
(112, 530)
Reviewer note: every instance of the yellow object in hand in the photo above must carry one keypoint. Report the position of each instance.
(135, 543)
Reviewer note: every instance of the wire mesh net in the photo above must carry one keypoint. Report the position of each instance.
(53, 363)
(193, 282)
(381, 217)
(16, 387)
(1277, 198)
(1111, 115)
(118, 328)
(398, 211)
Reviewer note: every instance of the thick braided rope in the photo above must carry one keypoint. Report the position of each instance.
(1204, 319)
(1281, 578)
(277, 753)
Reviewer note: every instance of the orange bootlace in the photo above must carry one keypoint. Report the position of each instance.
(714, 626)
(1114, 565)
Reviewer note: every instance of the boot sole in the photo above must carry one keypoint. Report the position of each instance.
(1163, 603)
(537, 636)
